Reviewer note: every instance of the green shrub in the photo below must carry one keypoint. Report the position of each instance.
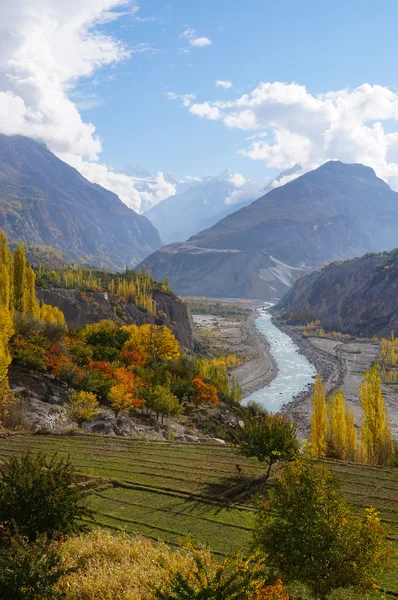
(30, 571)
(40, 496)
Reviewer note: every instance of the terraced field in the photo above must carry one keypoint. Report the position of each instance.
(169, 491)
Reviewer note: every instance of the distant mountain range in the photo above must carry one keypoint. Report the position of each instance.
(358, 296)
(197, 205)
(44, 201)
(334, 212)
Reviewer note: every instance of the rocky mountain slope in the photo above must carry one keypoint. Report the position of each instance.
(91, 307)
(44, 201)
(332, 213)
(358, 296)
(197, 207)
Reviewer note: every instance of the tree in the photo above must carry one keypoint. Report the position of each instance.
(164, 403)
(20, 279)
(40, 496)
(269, 437)
(204, 393)
(351, 435)
(376, 438)
(309, 534)
(152, 342)
(121, 398)
(32, 307)
(318, 419)
(84, 406)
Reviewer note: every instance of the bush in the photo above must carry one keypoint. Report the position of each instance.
(40, 496)
(83, 406)
(233, 579)
(30, 571)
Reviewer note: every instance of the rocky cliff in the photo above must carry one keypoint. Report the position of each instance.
(45, 202)
(335, 212)
(81, 308)
(358, 296)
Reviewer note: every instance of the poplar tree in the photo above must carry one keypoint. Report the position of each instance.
(351, 440)
(31, 304)
(6, 326)
(318, 419)
(376, 438)
(338, 426)
(20, 279)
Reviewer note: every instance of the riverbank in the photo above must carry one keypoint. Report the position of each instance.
(341, 365)
(260, 370)
(221, 335)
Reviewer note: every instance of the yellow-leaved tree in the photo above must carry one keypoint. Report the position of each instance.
(377, 447)
(152, 342)
(318, 419)
(6, 326)
(341, 434)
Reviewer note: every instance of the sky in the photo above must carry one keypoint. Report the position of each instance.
(198, 87)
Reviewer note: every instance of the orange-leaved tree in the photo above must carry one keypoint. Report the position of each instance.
(204, 393)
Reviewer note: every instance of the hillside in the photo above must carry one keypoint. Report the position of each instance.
(200, 206)
(358, 296)
(335, 212)
(44, 201)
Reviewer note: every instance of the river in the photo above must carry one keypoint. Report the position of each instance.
(295, 372)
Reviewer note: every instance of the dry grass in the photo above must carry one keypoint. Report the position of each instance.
(118, 568)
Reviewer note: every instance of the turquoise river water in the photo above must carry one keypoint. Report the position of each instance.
(295, 372)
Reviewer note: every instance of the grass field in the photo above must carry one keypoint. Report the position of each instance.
(169, 491)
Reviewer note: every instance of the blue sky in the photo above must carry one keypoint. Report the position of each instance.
(324, 46)
(105, 83)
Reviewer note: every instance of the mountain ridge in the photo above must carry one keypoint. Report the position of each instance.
(44, 201)
(332, 213)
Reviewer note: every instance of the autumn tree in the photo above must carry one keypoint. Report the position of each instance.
(376, 438)
(318, 419)
(269, 437)
(6, 326)
(341, 434)
(122, 399)
(204, 393)
(309, 534)
(20, 279)
(152, 342)
(32, 307)
(83, 406)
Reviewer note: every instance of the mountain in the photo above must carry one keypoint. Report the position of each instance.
(286, 173)
(46, 202)
(193, 208)
(332, 213)
(358, 296)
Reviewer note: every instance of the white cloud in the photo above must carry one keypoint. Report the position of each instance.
(292, 125)
(237, 179)
(205, 110)
(223, 83)
(186, 99)
(199, 42)
(45, 48)
(246, 190)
